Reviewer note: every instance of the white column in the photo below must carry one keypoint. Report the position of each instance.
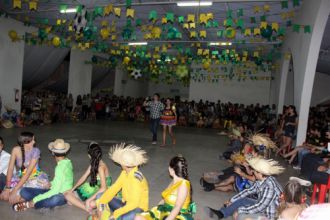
(305, 51)
(284, 69)
(11, 63)
(80, 74)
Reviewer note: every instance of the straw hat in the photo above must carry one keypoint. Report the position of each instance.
(262, 140)
(59, 146)
(7, 124)
(266, 167)
(236, 132)
(8, 108)
(128, 155)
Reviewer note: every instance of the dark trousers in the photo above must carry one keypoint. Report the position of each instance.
(243, 202)
(2, 181)
(154, 123)
(29, 193)
(116, 203)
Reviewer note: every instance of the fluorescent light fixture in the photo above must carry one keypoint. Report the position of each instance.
(220, 43)
(214, 44)
(225, 43)
(194, 3)
(68, 10)
(137, 43)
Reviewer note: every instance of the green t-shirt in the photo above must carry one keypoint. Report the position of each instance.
(63, 180)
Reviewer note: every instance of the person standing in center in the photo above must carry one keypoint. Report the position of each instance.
(156, 109)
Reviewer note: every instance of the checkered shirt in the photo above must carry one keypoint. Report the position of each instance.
(156, 109)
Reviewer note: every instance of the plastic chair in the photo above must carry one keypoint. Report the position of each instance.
(322, 190)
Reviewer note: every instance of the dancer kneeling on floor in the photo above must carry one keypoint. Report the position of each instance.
(62, 182)
(176, 203)
(131, 182)
(267, 189)
(100, 180)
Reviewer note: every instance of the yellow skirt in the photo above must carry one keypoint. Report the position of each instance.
(161, 212)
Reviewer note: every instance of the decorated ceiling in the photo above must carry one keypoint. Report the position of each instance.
(243, 38)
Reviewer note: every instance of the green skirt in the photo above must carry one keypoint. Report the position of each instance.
(85, 191)
(161, 212)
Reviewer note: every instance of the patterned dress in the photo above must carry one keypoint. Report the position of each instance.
(161, 212)
(168, 117)
(37, 179)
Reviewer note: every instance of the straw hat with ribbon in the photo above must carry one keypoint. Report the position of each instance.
(128, 155)
(236, 132)
(266, 167)
(59, 146)
(262, 140)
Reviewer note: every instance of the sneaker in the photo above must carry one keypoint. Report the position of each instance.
(301, 181)
(296, 167)
(213, 213)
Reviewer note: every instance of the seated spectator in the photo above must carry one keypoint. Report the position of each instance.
(267, 189)
(4, 162)
(293, 201)
(235, 144)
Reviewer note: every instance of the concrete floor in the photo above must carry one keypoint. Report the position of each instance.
(201, 148)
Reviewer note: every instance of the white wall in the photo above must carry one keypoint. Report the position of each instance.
(245, 92)
(11, 62)
(169, 90)
(80, 74)
(321, 90)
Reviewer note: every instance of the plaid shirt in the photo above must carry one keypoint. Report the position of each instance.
(268, 191)
(156, 109)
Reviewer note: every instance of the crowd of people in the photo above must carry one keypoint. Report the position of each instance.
(258, 138)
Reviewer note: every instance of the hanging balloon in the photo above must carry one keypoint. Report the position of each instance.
(56, 41)
(230, 32)
(80, 20)
(267, 32)
(206, 65)
(104, 32)
(126, 60)
(13, 35)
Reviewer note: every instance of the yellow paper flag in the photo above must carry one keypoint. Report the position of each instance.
(263, 24)
(130, 13)
(247, 32)
(192, 25)
(191, 18)
(117, 11)
(108, 9)
(33, 5)
(256, 31)
(17, 4)
(193, 34)
(275, 26)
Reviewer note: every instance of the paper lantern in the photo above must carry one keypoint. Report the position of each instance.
(56, 41)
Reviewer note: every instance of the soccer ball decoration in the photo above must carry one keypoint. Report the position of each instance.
(136, 74)
(80, 20)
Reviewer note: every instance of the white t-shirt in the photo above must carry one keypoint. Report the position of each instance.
(4, 162)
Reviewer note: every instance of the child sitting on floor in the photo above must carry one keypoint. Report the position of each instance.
(62, 182)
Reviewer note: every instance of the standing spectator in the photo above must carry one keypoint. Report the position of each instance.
(69, 103)
(156, 108)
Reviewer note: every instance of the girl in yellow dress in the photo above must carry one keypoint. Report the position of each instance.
(176, 203)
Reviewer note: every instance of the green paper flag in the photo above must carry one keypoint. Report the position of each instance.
(284, 4)
(208, 24)
(281, 31)
(215, 24)
(98, 11)
(153, 15)
(128, 3)
(138, 22)
(229, 13)
(240, 23)
(240, 12)
(263, 18)
(253, 20)
(79, 8)
(220, 33)
(296, 28)
(170, 17)
(181, 19)
(229, 22)
(63, 7)
(296, 3)
(307, 29)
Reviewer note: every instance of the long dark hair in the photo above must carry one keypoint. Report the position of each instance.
(95, 152)
(24, 138)
(180, 167)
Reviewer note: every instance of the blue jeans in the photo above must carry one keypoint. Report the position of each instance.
(154, 123)
(29, 193)
(301, 155)
(229, 210)
(116, 203)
